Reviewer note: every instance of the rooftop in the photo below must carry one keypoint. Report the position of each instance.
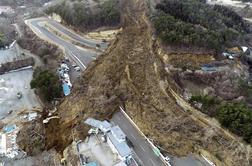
(118, 133)
(121, 146)
(104, 126)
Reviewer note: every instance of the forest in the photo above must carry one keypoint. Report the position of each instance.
(210, 26)
(80, 15)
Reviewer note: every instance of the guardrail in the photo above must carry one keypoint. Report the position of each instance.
(161, 156)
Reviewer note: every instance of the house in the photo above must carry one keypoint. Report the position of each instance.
(117, 142)
(115, 137)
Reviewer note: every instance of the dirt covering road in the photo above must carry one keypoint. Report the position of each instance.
(131, 72)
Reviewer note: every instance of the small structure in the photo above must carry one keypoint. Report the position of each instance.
(104, 126)
(66, 89)
(3, 144)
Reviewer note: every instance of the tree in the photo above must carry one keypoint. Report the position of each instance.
(238, 118)
(48, 84)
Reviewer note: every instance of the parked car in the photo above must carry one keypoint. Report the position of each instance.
(19, 95)
(77, 68)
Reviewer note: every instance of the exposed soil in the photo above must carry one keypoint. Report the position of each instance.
(132, 73)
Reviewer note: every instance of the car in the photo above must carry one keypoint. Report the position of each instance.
(77, 68)
(19, 95)
(129, 142)
(167, 160)
(66, 59)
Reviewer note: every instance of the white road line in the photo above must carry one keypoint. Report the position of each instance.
(78, 59)
(142, 148)
(152, 162)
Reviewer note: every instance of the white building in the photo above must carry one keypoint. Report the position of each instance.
(117, 142)
(6, 9)
(3, 144)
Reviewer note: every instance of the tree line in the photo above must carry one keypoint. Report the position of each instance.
(196, 23)
(78, 14)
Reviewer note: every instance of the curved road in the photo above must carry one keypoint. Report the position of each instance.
(81, 57)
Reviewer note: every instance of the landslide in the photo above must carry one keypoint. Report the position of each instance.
(131, 73)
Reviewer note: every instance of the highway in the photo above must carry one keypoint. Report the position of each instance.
(141, 147)
(82, 57)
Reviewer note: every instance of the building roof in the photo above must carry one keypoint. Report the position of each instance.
(92, 164)
(104, 126)
(118, 133)
(120, 164)
(121, 146)
(66, 89)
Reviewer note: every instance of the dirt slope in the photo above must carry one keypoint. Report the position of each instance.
(132, 73)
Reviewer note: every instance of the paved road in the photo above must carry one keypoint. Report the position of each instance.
(80, 39)
(143, 149)
(141, 146)
(82, 57)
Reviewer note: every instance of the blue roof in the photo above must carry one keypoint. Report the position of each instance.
(92, 164)
(66, 89)
(9, 128)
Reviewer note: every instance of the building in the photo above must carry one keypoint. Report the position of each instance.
(117, 142)
(104, 126)
(6, 9)
(116, 138)
(3, 144)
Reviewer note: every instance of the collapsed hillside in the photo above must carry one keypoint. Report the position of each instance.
(132, 73)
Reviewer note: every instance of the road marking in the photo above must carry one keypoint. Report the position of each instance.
(133, 136)
(142, 148)
(78, 59)
(152, 162)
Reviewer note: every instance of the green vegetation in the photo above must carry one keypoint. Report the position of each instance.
(2, 39)
(47, 83)
(78, 14)
(246, 90)
(209, 104)
(212, 27)
(236, 117)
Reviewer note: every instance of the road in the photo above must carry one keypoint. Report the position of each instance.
(81, 57)
(143, 150)
(141, 147)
